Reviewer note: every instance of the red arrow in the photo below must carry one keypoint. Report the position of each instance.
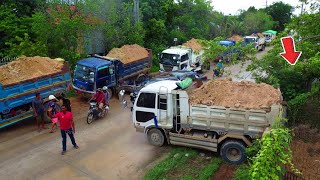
(290, 54)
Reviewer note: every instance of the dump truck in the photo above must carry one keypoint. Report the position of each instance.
(122, 68)
(259, 43)
(186, 56)
(21, 79)
(167, 114)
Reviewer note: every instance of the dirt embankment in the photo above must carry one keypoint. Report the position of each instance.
(247, 95)
(236, 38)
(25, 68)
(128, 53)
(194, 44)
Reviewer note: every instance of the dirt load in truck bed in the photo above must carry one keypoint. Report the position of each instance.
(25, 68)
(128, 53)
(247, 95)
(194, 44)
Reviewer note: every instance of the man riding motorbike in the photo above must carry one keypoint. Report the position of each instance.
(99, 98)
(219, 69)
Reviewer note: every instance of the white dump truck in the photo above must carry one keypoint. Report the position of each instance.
(258, 42)
(179, 58)
(165, 114)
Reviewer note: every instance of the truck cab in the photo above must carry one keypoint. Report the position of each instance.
(176, 58)
(92, 73)
(258, 43)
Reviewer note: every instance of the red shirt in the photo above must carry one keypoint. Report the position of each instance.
(99, 97)
(65, 120)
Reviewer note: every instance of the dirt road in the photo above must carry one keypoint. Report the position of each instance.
(109, 149)
(238, 71)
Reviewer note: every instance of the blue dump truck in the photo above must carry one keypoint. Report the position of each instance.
(225, 55)
(16, 98)
(98, 71)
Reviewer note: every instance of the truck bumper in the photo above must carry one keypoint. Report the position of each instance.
(139, 129)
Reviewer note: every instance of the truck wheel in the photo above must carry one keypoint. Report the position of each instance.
(155, 137)
(233, 152)
(110, 93)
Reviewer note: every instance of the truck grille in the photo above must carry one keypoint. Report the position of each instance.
(167, 67)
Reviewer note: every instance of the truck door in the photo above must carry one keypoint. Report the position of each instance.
(162, 108)
(111, 77)
(102, 76)
(145, 110)
(184, 61)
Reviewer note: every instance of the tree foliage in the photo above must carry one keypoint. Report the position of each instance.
(280, 12)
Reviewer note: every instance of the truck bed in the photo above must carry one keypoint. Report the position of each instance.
(226, 120)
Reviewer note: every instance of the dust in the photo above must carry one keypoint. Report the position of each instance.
(128, 53)
(26, 68)
(194, 45)
(245, 94)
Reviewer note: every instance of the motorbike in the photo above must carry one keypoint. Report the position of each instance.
(94, 113)
(218, 73)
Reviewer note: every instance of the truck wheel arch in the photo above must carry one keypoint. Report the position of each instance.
(241, 138)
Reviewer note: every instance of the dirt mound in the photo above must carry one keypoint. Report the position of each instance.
(257, 35)
(243, 94)
(25, 68)
(128, 53)
(193, 44)
(236, 38)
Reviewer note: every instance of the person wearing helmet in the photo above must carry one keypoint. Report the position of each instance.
(99, 98)
(106, 95)
(52, 111)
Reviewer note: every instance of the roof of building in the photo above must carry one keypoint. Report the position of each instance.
(165, 86)
(94, 62)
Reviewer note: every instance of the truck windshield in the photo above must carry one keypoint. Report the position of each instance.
(169, 58)
(249, 40)
(84, 73)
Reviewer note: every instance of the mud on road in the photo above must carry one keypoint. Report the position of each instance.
(109, 148)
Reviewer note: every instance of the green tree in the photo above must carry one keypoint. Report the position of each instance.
(281, 13)
(257, 22)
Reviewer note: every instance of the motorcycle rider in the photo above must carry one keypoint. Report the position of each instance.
(219, 68)
(99, 98)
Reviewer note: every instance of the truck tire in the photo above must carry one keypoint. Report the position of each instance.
(233, 152)
(47, 119)
(155, 137)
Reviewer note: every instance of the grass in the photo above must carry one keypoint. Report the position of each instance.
(176, 158)
(242, 173)
(155, 68)
(179, 166)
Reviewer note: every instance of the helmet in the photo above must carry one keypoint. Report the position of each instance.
(105, 88)
(52, 97)
(220, 60)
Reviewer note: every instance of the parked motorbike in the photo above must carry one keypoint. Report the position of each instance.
(218, 72)
(94, 112)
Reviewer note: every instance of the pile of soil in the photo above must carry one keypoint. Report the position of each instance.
(245, 94)
(25, 68)
(194, 44)
(257, 35)
(236, 38)
(128, 53)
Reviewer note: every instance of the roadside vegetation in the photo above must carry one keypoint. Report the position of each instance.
(184, 163)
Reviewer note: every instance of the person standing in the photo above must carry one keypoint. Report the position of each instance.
(67, 127)
(38, 110)
(52, 110)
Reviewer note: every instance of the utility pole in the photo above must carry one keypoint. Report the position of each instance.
(266, 3)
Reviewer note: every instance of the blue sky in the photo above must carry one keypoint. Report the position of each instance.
(232, 6)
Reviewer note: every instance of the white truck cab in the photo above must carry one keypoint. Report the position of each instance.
(178, 58)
